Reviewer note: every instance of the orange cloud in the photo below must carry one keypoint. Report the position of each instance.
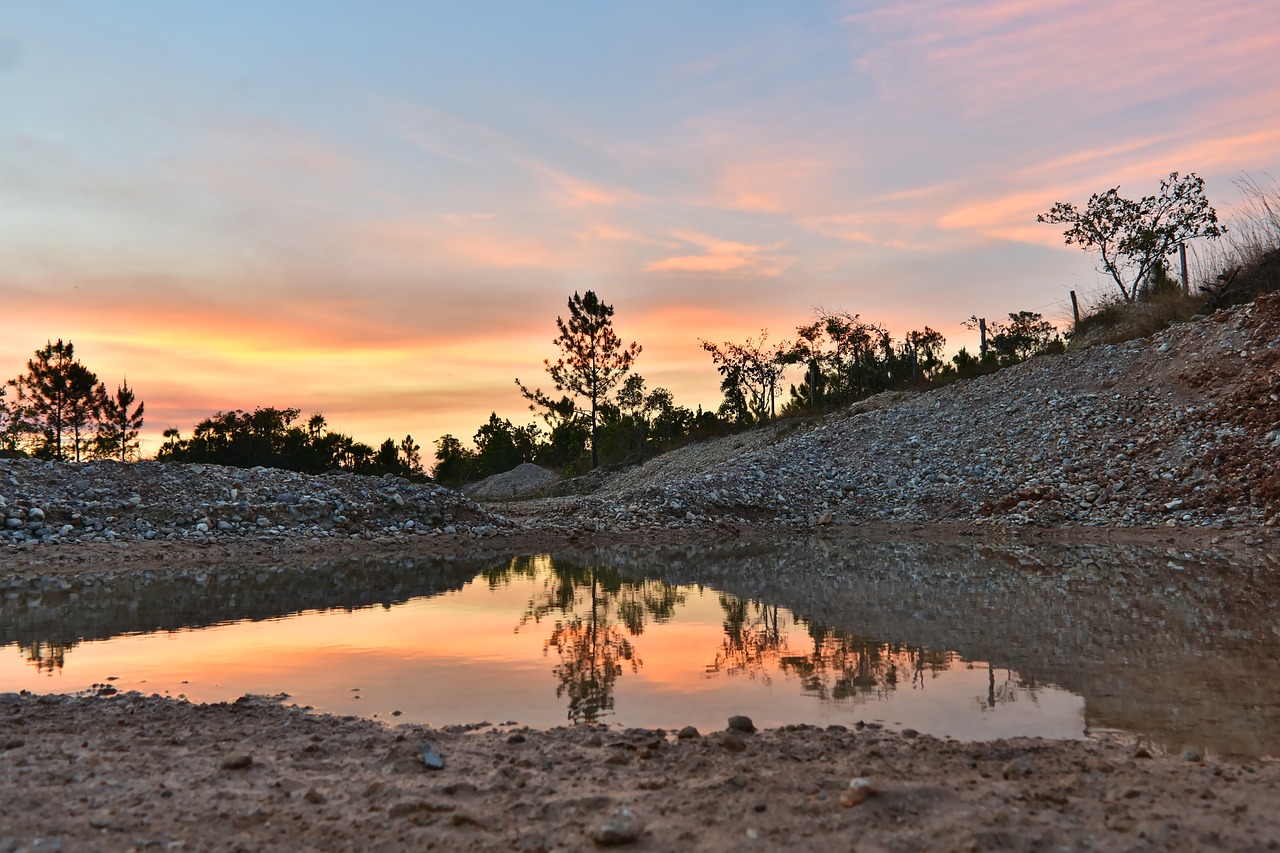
(722, 256)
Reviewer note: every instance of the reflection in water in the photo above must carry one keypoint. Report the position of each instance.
(46, 657)
(595, 614)
(1179, 646)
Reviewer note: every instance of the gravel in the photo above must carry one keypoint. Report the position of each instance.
(51, 503)
(1179, 429)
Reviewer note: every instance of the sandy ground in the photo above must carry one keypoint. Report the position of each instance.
(123, 771)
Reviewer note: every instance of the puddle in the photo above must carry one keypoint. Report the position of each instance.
(973, 642)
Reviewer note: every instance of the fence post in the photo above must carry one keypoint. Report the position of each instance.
(982, 328)
(1075, 312)
(1182, 257)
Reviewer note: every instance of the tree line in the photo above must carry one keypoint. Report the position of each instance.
(601, 412)
(59, 410)
(275, 438)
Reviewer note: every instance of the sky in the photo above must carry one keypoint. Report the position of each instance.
(376, 210)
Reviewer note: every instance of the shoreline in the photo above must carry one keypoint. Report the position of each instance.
(133, 772)
(77, 557)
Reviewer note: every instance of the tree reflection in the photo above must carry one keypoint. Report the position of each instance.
(596, 614)
(752, 641)
(1006, 691)
(46, 656)
(834, 666)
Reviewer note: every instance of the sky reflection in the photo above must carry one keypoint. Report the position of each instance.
(544, 643)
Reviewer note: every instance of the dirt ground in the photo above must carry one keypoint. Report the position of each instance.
(124, 771)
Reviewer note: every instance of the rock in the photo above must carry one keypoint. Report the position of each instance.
(431, 758)
(688, 732)
(1192, 754)
(623, 827)
(239, 761)
(1018, 768)
(859, 791)
(35, 513)
(732, 741)
(743, 724)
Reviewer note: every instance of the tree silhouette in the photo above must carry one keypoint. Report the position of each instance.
(61, 398)
(593, 360)
(1133, 238)
(750, 375)
(120, 424)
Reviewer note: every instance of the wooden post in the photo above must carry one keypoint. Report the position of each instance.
(1182, 257)
(982, 328)
(1075, 312)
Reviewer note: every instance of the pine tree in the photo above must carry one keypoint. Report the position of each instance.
(118, 430)
(593, 360)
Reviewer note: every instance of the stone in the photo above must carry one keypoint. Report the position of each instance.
(624, 826)
(239, 761)
(732, 741)
(688, 732)
(859, 791)
(739, 723)
(1018, 768)
(431, 758)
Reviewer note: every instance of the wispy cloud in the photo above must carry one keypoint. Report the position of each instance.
(718, 256)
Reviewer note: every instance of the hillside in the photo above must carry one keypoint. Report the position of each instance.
(1176, 429)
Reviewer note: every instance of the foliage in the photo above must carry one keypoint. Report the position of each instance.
(61, 411)
(1027, 334)
(120, 424)
(750, 374)
(11, 423)
(1133, 238)
(593, 360)
(269, 437)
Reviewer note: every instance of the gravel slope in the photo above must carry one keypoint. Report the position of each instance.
(1180, 429)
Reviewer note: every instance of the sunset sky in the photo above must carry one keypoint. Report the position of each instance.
(376, 210)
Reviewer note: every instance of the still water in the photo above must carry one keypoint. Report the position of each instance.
(968, 641)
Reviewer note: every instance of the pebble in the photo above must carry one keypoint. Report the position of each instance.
(431, 758)
(739, 723)
(859, 791)
(623, 827)
(239, 761)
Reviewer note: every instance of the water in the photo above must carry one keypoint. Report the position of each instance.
(972, 642)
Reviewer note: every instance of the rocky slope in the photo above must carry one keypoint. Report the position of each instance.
(52, 503)
(1179, 429)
